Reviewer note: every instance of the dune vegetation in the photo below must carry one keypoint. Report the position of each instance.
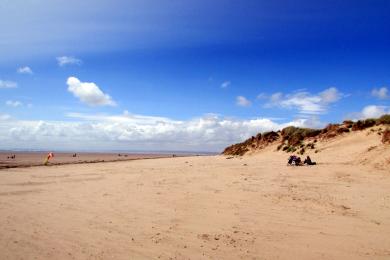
(297, 139)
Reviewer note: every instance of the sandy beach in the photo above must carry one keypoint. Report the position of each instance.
(251, 207)
(194, 130)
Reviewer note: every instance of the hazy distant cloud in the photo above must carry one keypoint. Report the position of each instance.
(262, 96)
(276, 97)
(8, 84)
(305, 102)
(68, 60)
(124, 131)
(381, 93)
(25, 70)
(373, 111)
(225, 84)
(88, 93)
(12, 103)
(4, 117)
(330, 95)
(243, 101)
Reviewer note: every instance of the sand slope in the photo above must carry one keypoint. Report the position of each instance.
(356, 148)
(253, 207)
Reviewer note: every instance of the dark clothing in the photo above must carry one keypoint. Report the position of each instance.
(309, 162)
(290, 160)
(294, 160)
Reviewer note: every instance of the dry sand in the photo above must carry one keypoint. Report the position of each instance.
(253, 207)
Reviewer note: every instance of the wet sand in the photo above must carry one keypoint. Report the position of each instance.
(27, 159)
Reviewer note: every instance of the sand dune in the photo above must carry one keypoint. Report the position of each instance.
(251, 207)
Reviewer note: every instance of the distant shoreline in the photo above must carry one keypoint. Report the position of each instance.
(109, 152)
(34, 159)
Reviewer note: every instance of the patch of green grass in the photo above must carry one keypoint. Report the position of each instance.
(295, 135)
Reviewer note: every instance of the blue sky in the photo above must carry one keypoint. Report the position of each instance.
(185, 75)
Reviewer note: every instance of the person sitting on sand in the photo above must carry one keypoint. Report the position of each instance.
(308, 161)
(298, 161)
(294, 160)
(291, 159)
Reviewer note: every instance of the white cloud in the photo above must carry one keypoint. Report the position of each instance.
(381, 93)
(305, 102)
(8, 84)
(13, 103)
(25, 70)
(330, 95)
(133, 132)
(243, 101)
(4, 117)
(276, 97)
(373, 111)
(88, 93)
(68, 60)
(262, 96)
(225, 84)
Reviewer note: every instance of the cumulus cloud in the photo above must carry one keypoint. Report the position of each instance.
(381, 93)
(88, 93)
(370, 111)
(305, 102)
(68, 60)
(12, 103)
(373, 111)
(225, 84)
(8, 84)
(243, 101)
(25, 70)
(133, 132)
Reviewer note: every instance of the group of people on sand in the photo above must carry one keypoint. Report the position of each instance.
(11, 157)
(296, 160)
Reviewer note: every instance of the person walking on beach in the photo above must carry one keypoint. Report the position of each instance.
(49, 156)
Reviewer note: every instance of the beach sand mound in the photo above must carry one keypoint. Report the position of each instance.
(362, 142)
(386, 136)
(361, 148)
(294, 138)
(356, 148)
